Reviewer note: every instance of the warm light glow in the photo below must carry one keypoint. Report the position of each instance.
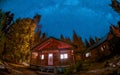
(72, 51)
(63, 56)
(102, 49)
(50, 59)
(42, 56)
(88, 54)
(104, 46)
(34, 54)
(50, 55)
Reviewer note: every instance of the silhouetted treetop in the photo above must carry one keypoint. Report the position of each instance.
(115, 5)
(92, 41)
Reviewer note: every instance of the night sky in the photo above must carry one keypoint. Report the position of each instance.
(86, 17)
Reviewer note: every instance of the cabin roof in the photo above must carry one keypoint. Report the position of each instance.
(98, 43)
(40, 44)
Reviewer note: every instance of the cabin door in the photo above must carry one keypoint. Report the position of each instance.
(50, 59)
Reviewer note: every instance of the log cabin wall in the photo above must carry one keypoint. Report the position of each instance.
(57, 61)
(99, 51)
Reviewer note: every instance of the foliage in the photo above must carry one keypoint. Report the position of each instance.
(114, 44)
(97, 39)
(115, 5)
(6, 21)
(68, 71)
(115, 41)
(62, 37)
(78, 43)
(37, 37)
(21, 40)
(74, 68)
(92, 41)
(87, 45)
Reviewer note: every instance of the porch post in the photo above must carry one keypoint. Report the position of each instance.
(59, 57)
(74, 57)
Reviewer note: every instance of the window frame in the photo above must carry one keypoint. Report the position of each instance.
(42, 57)
(63, 56)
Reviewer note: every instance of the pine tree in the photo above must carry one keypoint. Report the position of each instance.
(37, 19)
(119, 24)
(67, 39)
(78, 43)
(97, 39)
(87, 43)
(92, 41)
(37, 37)
(115, 5)
(62, 37)
(114, 42)
(43, 37)
(6, 21)
(75, 38)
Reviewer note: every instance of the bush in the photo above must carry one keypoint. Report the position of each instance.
(73, 68)
(68, 71)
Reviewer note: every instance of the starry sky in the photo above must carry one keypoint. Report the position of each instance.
(86, 17)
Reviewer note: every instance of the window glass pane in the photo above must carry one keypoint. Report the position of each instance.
(87, 54)
(102, 49)
(42, 56)
(61, 56)
(65, 56)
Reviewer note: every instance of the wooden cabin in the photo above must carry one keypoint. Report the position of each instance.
(102, 48)
(98, 50)
(52, 52)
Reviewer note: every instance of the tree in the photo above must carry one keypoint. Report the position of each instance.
(6, 21)
(37, 19)
(115, 31)
(44, 36)
(62, 37)
(75, 38)
(87, 45)
(78, 43)
(79, 47)
(115, 5)
(92, 41)
(97, 39)
(37, 37)
(68, 40)
(21, 41)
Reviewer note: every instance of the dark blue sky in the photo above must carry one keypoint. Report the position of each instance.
(86, 17)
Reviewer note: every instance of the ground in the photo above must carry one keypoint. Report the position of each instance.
(15, 69)
(108, 67)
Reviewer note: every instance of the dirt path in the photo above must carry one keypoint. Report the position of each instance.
(14, 69)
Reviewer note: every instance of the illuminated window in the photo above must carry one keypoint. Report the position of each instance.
(63, 56)
(104, 46)
(102, 49)
(34, 54)
(50, 55)
(88, 54)
(42, 56)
